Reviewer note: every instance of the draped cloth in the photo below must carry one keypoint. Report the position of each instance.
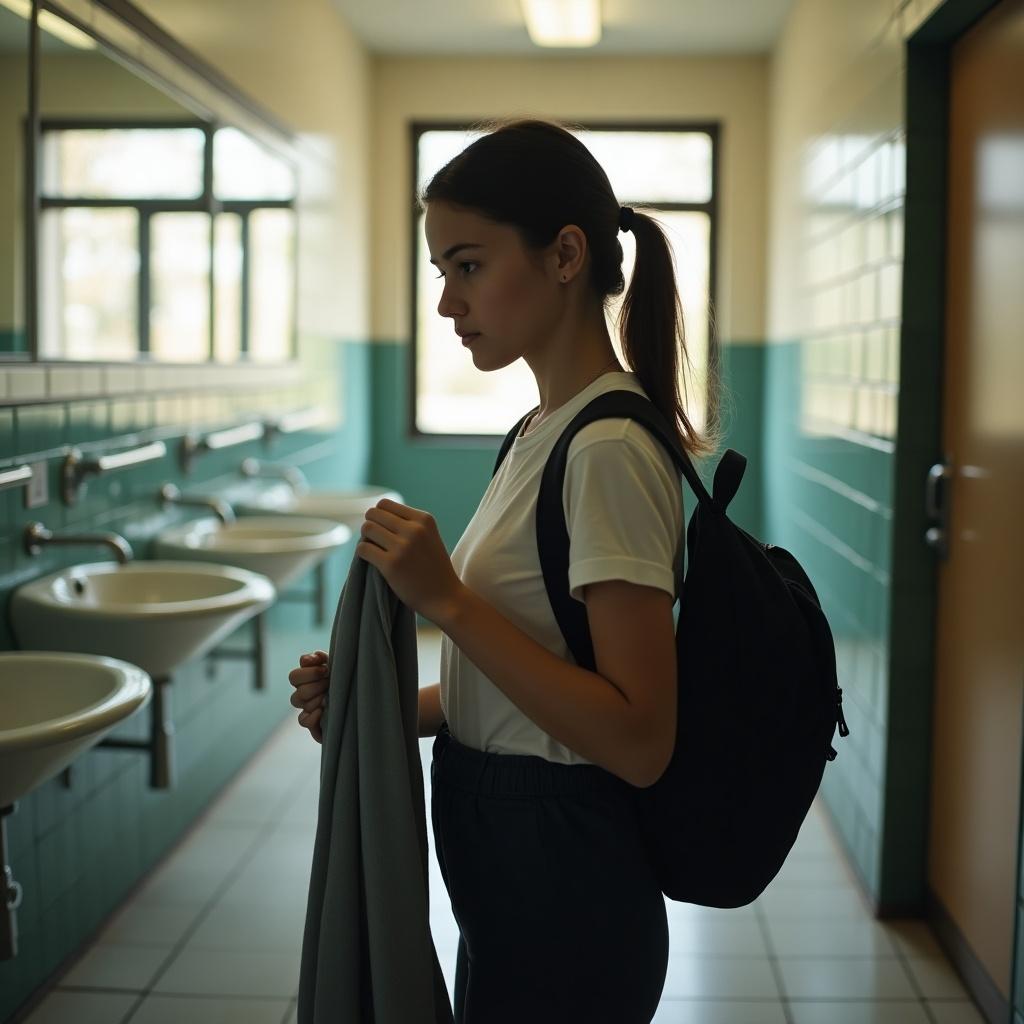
(367, 952)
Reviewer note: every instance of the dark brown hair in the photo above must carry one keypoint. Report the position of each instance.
(536, 176)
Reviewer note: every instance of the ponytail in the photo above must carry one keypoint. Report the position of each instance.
(652, 331)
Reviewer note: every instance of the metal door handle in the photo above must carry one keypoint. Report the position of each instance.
(936, 507)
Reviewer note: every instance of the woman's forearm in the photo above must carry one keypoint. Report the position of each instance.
(430, 710)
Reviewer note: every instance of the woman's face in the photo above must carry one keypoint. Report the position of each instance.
(492, 288)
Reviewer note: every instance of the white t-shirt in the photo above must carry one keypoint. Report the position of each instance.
(623, 507)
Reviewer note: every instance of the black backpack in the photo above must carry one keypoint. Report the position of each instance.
(759, 699)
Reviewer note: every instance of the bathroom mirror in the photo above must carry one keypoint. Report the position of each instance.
(163, 233)
(14, 69)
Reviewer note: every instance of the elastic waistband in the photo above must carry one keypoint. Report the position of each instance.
(526, 775)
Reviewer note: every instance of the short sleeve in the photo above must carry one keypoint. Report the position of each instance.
(623, 508)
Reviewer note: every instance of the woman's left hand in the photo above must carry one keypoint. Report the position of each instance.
(403, 543)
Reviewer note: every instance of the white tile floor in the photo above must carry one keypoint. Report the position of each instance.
(214, 935)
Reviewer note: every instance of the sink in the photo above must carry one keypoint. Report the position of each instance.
(156, 615)
(53, 707)
(282, 549)
(348, 507)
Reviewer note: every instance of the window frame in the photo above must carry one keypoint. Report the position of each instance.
(146, 209)
(710, 128)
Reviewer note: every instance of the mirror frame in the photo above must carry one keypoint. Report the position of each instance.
(154, 55)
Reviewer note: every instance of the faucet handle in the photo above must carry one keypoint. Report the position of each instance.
(76, 467)
(36, 534)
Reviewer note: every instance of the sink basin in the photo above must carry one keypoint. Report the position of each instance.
(348, 507)
(152, 614)
(53, 707)
(282, 549)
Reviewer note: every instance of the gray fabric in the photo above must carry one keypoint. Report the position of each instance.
(367, 951)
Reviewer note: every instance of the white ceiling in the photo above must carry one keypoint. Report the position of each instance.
(483, 27)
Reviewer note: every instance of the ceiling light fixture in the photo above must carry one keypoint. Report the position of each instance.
(51, 24)
(563, 22)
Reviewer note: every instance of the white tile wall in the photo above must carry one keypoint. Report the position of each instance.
(40, 382)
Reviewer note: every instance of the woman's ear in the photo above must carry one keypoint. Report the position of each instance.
(570, 252)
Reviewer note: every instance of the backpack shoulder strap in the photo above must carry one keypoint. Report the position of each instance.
(552, 533)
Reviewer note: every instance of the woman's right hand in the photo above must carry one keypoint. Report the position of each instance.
(310, 680)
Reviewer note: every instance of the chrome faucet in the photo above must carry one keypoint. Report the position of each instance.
(169, 494)
(36, 535)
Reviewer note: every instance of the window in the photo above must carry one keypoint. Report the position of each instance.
(671, 171)
(169, 240)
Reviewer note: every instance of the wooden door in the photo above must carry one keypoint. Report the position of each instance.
(976, 758)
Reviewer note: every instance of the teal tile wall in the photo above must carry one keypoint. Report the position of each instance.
(742, 369)
(77, 852)
(829, 501)
(12, 339)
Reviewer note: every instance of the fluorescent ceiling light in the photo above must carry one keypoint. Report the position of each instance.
(50, 23)
(66, 33)
(562, 22)
(23, 8)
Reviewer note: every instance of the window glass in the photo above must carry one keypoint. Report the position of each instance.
(243, 169)
(227, 278)
(271, 283)
(654, 167)
(648, 166)
(179, 311)
(91, 282)
(123, 163)
(436, 148)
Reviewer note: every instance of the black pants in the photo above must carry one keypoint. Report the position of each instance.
(560, 915)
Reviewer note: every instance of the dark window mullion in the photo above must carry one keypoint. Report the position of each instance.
(208, 196)
(144, 279)
(211, 286)
(213, 208)
(149, 205)
(248, 205)
(246, 264)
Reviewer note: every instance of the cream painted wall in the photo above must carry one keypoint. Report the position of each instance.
(302, 62)
(836, 73)
(731, 90)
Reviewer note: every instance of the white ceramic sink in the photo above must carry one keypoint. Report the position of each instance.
(348, 507)
(152, 614)
(282, 549)
(53, 707)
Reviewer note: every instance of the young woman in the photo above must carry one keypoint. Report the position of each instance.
(560, 915)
